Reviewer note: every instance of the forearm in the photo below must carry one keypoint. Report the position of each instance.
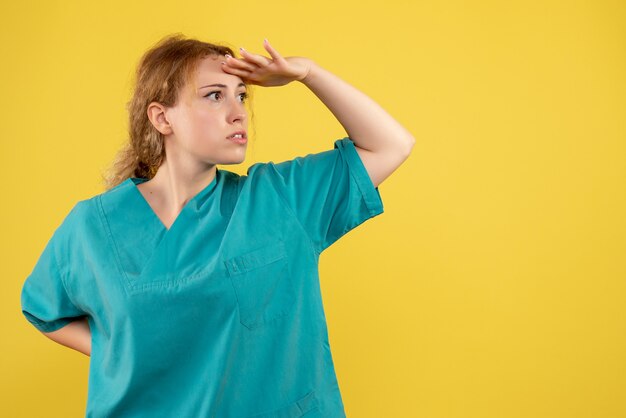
(75, 335)
(367, 123)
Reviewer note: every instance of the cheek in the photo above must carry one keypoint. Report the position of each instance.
(200, 129)
(200, 126)
(204, 119)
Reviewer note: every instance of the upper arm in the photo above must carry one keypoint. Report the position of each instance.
(380, 165)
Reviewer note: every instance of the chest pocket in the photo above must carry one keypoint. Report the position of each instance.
(262, 282)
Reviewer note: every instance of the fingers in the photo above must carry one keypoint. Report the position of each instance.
(259, 60)
(251, 66)
(273, 53)
(238, 63)
(235, 71)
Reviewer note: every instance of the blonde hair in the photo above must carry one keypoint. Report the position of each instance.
(161, 75)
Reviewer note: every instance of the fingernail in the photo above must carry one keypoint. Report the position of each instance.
(228, 55)
(266, 41)
(241, 48)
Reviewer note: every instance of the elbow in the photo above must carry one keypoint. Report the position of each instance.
(409, 142)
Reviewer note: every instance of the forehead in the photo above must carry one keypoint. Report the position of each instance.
(209, 71)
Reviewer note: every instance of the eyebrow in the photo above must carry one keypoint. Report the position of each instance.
(221, 85)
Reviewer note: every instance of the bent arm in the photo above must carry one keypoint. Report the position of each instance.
(75, 335)
(382, 142)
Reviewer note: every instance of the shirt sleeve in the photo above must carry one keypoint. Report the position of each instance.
(329, 192)
(44, 298)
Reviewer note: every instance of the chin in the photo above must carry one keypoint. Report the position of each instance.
(233, 161)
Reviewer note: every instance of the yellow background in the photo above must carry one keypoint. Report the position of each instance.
(493, 285)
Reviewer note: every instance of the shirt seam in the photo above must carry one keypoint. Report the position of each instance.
(358, 172)
(62, 274)
(128, 286)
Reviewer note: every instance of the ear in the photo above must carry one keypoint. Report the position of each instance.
(157, 115)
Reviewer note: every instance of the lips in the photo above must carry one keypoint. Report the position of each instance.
(242, 133)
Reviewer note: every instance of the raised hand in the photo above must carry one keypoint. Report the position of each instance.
(266, 72)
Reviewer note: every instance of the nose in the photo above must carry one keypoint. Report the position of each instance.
(238, 112)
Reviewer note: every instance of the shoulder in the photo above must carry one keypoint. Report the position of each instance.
(77, 217)
(86, 212)
(272, 169)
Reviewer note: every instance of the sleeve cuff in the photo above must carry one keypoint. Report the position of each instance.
(44, 326)
(371, 195)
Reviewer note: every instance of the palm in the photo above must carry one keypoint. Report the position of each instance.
(266, 72)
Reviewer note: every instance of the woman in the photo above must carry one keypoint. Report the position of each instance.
(195, 290)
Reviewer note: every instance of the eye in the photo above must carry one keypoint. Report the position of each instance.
(213, 92)
(244, 96)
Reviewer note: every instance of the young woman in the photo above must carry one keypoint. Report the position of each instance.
(195, 290)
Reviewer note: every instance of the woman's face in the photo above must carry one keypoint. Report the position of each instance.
(209, 110)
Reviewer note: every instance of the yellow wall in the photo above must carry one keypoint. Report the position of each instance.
(494, 283)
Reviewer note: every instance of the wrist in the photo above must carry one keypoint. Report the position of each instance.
(311, 73)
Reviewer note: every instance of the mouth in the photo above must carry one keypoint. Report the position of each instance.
(240, 137)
